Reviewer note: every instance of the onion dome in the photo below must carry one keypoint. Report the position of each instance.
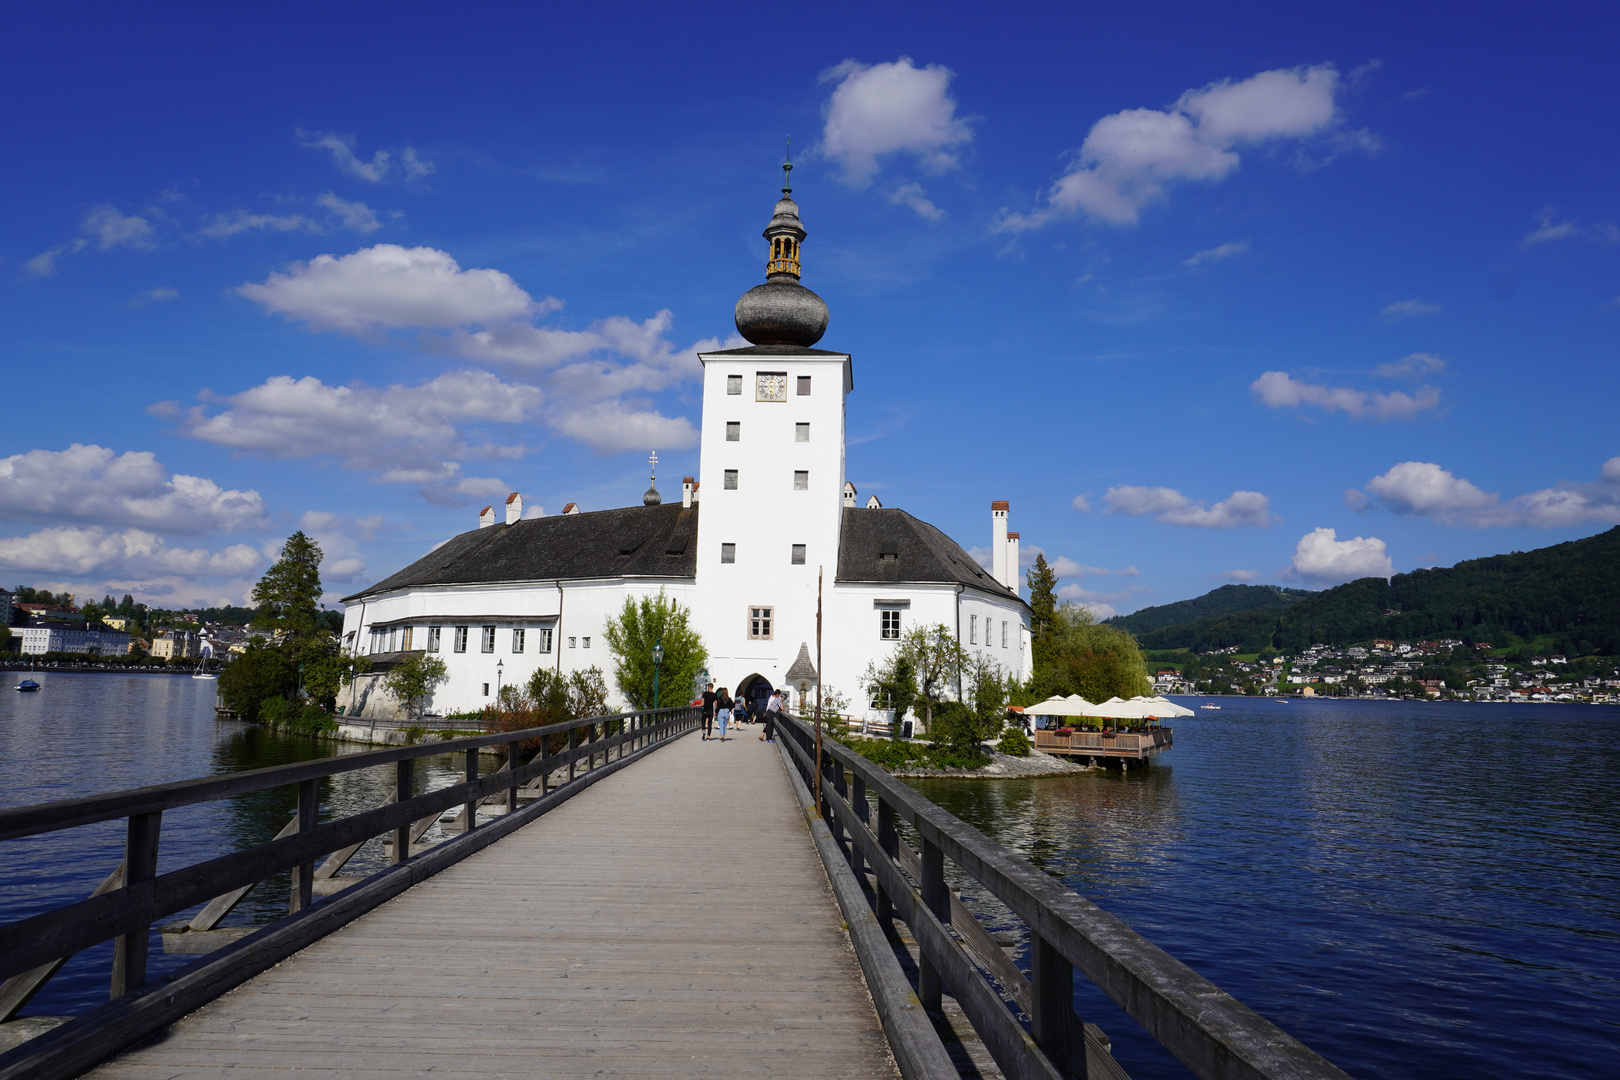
(781, 311)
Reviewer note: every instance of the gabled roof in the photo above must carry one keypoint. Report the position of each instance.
(892, 547)
(635, 541)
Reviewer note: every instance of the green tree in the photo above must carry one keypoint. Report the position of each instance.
(1092, 659)
(892, 686)
(631, 636)
(938, 661)
(1042, 599)
(261, 673)
(289, 593)
(126, 606)
(413, 680)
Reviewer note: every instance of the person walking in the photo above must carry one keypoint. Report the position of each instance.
(708, 711)
(772, 707)
(722, 711)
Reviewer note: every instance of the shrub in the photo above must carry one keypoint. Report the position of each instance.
(956, 733)
(273, 711)
(1014, 743)
(311, 720)
(414, 733)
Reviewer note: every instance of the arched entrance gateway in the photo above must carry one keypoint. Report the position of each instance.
(756, 689)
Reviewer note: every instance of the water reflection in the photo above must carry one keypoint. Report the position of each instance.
(84, 734)
(1409, 887)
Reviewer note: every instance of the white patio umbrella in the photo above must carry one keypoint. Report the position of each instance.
(1073, 705)
(1121, 710)
(1169, 708)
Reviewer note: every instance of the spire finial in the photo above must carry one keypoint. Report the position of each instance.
(652, 498)
(787, 169)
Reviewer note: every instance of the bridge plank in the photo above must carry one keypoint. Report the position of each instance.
(672, 921)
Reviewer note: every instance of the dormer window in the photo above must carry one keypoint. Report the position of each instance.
(889, 556)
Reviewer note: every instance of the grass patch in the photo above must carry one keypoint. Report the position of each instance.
(893, 756)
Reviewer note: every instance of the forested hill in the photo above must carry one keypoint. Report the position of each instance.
(1568, 593)
(1226, 600)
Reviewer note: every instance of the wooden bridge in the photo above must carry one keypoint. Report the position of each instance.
(627, 902)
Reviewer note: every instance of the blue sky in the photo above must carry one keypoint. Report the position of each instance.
(1240, 292)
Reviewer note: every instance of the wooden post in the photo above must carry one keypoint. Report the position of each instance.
(864, 812)
(140, 865)
(889, 841)
(545, 773)
(937, 898)
(511, 769)
(1052, 1018)
(470, 810)
(303, 875)
(571, 733)
(404, 776)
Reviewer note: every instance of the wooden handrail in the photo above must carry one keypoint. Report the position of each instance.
(1213, 1034)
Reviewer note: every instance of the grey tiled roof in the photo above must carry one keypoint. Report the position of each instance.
(635, 541)
(922, 552)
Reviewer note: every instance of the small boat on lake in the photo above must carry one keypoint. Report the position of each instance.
(28, 686)
(1209, 705)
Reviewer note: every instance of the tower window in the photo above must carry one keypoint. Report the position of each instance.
(728, 553)
(889, 624)
(801, 432)
(733, 431)
(801, 479)
(759, 623)
(1003, 633)
(973, 629)
(798, 554)
(804, 386)
(734, 384)
(731, 480)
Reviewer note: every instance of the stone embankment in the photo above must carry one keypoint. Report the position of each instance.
(1007, 767)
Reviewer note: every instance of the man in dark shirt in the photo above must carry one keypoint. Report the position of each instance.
(708, 711)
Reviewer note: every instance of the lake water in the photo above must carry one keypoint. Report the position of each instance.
(88, 733)
(1410, 888)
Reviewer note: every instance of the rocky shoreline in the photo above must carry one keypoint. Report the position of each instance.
(1005, 767)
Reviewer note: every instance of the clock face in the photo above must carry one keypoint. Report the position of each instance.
(771, 386)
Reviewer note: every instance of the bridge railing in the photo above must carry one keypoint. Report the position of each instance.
(135, 897)
(1213, 1034)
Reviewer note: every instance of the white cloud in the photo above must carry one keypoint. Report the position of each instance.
(1065, 567)
(1424, 489)
(106, 227)
(1408, 309)
(130, 554)
(1100, 604)
(1217, 254)
(915, 198)
(153, 296)
(589, 380)
(89, 483)
(1412, 367)
(1239, 575)
(1547, 229)
(388, 287)
(882, 109)
(1129, 571)
(355, 215)
(341, 561)
(1082, 504)
(378, 167)
(1278, 390)
(221, 226)
(1241, 508)
(1130, 158)
(1321, 557)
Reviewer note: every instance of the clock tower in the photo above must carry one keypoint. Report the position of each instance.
(772, 468)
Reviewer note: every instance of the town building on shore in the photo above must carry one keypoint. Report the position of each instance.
(771, 519)
(73, 637)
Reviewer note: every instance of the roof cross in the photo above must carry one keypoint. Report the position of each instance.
(653, 462)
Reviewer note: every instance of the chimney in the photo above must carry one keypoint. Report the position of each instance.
(514, 508)
(697, 491)
(849, 494)
(998, 541)
(1012, 562)
(486, 517)
(686, 492)
(571, 508)
(873, 503)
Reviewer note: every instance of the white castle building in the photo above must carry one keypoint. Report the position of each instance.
(743, 549)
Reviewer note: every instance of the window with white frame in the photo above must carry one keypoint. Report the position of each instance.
(798, 554)
(461, 639)
(487, 640)
(517, 640)
(542, 640)
(801, 432)
(973, 629)
(728, 553)
(733, 431)
(433, 639)
(734, 385)
(759, 623)
(889, 624)
(730, 480)
(573, 642)
(585, 642)
(1003, 633)
(801, 479)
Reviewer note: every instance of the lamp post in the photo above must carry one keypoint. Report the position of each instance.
(658, 658)
(498, 665)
